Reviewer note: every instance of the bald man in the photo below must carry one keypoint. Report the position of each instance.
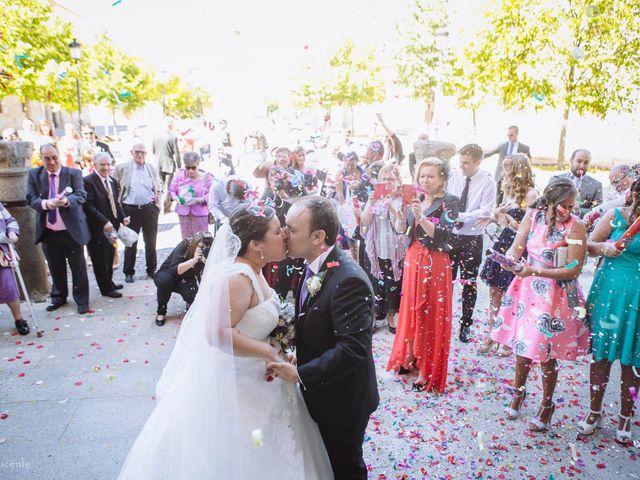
(589, 189)
(141, 198)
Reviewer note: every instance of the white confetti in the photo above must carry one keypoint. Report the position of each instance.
(39, 382)
(481, 440)
(63, 401)
(2, 440)
(257, 437)
(574, 453)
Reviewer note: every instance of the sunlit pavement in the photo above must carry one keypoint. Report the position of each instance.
(74, 400)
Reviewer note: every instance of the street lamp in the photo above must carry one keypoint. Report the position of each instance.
(76, 50)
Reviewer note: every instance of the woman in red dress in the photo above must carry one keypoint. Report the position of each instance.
(424, 320)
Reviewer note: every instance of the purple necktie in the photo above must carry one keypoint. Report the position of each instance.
(304, 292)
(51, 215)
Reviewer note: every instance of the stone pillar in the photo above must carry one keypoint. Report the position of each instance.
(15, 161)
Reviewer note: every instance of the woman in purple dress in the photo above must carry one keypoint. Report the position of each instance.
(9, 232)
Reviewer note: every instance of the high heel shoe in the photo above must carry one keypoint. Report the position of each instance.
(504, 352)
(512, 413)
(418, 387)
(536, 424)
(587, 429)
(622, 436)
(488, 346)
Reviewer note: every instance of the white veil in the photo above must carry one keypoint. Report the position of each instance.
(194, 430)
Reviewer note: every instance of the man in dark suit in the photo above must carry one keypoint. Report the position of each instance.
(165, 148)
(57, 195)
(89, 145)
(512, 145)
(105, 216)
(589, 189)
(334, 327)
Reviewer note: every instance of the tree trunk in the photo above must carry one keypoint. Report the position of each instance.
(563, 137)
(475, 123)
(353, 131)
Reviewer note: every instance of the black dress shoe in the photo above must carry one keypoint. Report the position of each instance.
(22, 327)
(56, 305)
(160, 321)
(419, 387)
(129, 278)
(151, 276)
(82, 309)
(465, 334)
(118, 286)
(392, 329)
(112, 294)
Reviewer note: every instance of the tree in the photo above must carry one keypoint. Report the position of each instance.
(116, 80)
(34, 54)
(418, 55)
(350, 77)
(578, 55)
(181, 101)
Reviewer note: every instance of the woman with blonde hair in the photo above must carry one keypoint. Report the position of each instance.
(384, 246)
(519, 191)
(424, 321)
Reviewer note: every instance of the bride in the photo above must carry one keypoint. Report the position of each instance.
(217, 416)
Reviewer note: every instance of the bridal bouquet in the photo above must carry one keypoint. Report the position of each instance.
(285, 331)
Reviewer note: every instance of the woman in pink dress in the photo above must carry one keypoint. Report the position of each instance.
(542, 315)
(190, 190)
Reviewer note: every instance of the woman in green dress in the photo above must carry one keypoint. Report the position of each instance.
(613, 307)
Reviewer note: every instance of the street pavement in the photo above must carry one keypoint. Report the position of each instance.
(73, 401)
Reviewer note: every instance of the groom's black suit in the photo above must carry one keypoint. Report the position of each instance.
(334, 329)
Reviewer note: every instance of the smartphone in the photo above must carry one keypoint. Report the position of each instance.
(382, 191)
(409, 193)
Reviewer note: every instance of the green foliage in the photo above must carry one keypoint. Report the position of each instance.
(350, 77)
(182, 101)
(45, 72)
(417, 57)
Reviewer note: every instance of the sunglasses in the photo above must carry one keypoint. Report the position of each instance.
(192, 168)
(141, 152)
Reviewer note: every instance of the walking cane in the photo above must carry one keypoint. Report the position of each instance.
(16, 269)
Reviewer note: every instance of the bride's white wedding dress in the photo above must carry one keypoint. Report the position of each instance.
(209, 427)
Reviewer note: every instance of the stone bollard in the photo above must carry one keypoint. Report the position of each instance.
(15, 161)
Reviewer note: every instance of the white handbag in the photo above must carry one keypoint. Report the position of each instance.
(127, 236)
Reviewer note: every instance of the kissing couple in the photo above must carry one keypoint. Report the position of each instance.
(217, 417)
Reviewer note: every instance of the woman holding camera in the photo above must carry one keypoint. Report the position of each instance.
(181, 272)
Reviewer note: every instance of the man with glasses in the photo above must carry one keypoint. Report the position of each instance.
(165, 148)
(141, 198)
(89, 146)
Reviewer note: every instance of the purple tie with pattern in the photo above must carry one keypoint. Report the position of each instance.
(51, 215)
(304, 292)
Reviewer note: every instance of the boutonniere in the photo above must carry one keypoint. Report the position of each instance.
(314, 284)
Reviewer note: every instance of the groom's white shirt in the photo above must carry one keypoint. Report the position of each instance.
(317, 263)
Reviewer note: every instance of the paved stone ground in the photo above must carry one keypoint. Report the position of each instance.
(74, 400)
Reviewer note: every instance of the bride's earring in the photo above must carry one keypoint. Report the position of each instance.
(261, 255)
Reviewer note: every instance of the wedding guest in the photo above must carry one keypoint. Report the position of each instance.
(57, 195)
(424, 321)
(45, 134)
(104, 215)
(225, 196)
(394, 146)
(477, 192)
(181, 272)
(141, 198)
(165, 148)
(589, 189)
(373, 159)
(190, 190)
(10, 135)
(305, 180)
(282, 276)
(621, 178)
(613, 310)
(68, 144)
(539, 315)
(9, 232)
(384, 246)
(89, 146)
(281, 157)
(519, 191)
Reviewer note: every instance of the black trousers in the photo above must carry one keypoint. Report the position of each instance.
(466, 255)
(167, 284)
(344, 447)
(166, 179)
(101, 253)
(386, 289)
(145, 219)
(59, 248)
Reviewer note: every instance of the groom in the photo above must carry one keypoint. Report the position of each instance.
(334, 326)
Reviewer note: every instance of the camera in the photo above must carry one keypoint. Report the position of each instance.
(207, 242)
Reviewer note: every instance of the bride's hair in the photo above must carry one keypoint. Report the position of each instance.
(249, 226)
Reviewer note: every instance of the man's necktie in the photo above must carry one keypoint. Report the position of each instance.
(304, 292)
(465, 195)
(510, 149)
(110, 195)
(51, 214)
